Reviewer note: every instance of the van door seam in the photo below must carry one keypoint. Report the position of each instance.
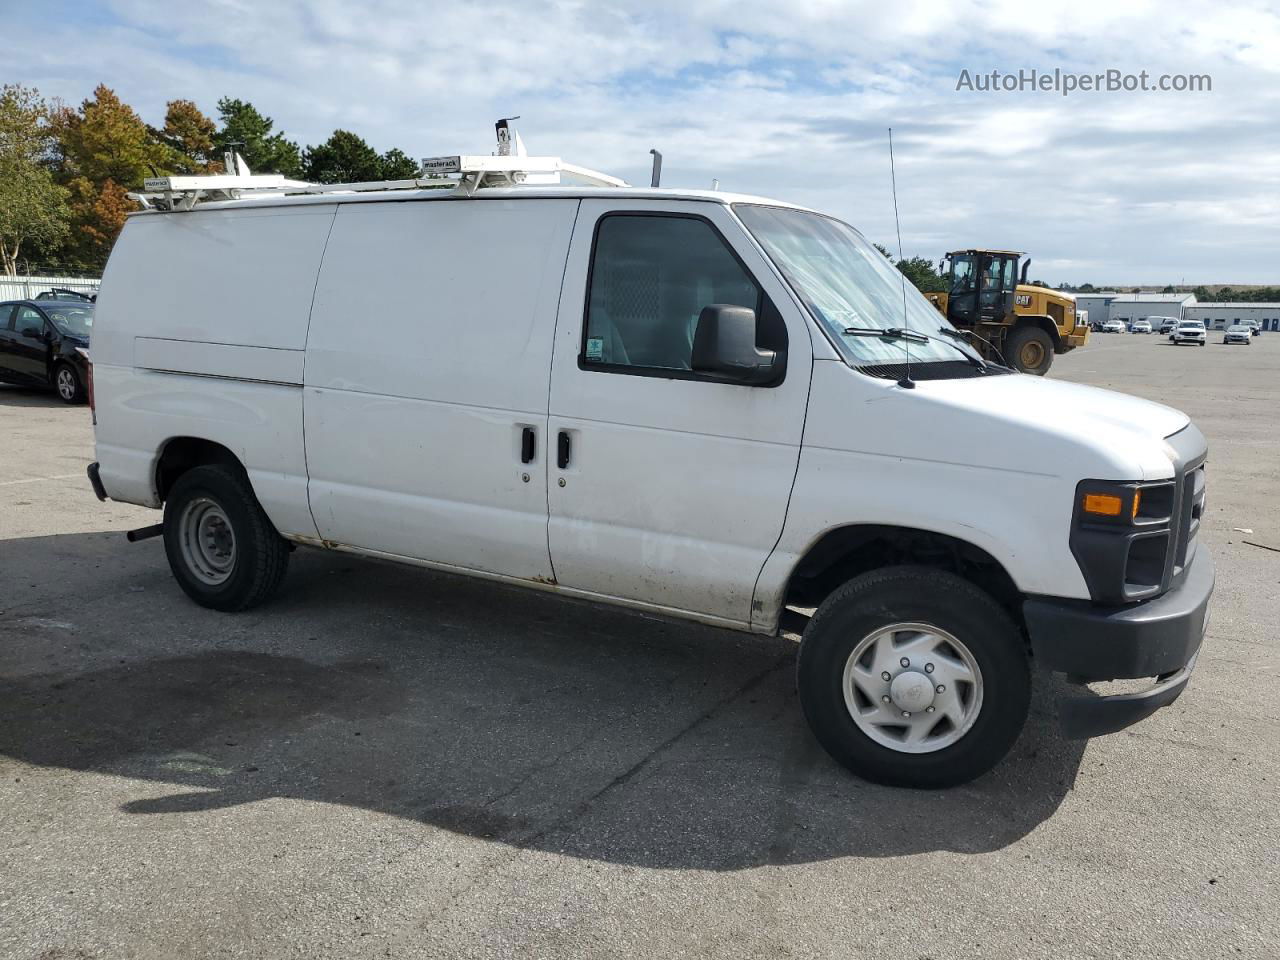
(551, 376)
(306, 343)
(755, 590)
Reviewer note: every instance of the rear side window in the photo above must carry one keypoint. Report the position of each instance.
(651, 275)
(6, 316)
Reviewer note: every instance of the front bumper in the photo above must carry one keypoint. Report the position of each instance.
(1155, 638)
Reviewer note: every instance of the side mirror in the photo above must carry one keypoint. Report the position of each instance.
(725, 343)
(33, 333)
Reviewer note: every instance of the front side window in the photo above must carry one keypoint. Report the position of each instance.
(651, 275)
(28, 317)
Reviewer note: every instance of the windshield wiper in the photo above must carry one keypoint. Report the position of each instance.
(887, 333)
(954, 334)
(916, 336)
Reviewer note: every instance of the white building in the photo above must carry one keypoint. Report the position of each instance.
(1218, 316)
(1128, 307)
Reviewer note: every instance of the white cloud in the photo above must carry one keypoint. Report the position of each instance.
(786, 100)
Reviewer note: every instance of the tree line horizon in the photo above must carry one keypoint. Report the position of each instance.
(66, 172)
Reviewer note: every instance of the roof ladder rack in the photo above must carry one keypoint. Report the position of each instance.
(464, 174)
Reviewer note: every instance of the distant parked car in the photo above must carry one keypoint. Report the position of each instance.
(1166, 323)
(44, 343)
(1140, 326)
(1188, 331)
(1238, 333)
(62, 293)
(1113, 326)
(1255, 327)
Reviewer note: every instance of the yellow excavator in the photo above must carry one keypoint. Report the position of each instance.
(1012, 322)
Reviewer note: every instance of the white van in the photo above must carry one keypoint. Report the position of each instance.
(702, 405)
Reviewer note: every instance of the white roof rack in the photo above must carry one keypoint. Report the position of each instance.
(509, 166)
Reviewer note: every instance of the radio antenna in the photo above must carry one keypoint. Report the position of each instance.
(906, 382)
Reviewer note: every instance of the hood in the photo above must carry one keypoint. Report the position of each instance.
(1047, 291)
(1119, 433)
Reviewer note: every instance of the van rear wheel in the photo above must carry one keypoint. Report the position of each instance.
(914, 677)
(222, 548)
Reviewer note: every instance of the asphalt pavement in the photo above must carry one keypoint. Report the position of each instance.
(389, 762)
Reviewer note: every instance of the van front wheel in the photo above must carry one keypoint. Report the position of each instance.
(914, 677)
(222, 548)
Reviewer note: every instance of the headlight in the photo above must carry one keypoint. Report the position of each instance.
(1121, 535)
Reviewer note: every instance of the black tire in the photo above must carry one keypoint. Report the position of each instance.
(67, 384)
(260, 556)
(1029, 349)
(882, 598)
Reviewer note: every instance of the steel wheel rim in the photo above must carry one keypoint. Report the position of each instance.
(932, 695)
(1032, 354)
(66, 384)
(207, 540)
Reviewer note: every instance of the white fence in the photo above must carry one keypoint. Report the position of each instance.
(27, 288)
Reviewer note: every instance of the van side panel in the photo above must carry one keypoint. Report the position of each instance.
(429, 355)
(200, 329)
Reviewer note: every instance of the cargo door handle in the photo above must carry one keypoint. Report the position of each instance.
(528, 445)
(562, 450)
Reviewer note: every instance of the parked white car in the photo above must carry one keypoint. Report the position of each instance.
(1113, 326)
(695, 404)
(1188, 331)
(1140, 326)
(1238, 333)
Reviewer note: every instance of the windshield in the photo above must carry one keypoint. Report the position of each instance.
(846, 282)
(73, 319)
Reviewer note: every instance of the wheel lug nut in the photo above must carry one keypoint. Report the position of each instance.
(942, 688)
(886, 676)
(928, 668)
(928, 709)
(886, 698)
(906, 713)
(905, 662)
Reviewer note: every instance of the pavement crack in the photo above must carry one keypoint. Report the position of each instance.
(626, 776)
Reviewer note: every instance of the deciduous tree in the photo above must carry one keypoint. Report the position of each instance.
(33, 208)
(189, 134)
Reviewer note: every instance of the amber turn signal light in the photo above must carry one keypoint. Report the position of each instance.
(1104, 504)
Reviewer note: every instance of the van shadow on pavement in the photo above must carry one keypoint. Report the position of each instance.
(499, 713)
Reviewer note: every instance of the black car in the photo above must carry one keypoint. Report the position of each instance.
(42, 344)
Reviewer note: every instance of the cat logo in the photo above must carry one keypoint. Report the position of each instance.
(1022, 300)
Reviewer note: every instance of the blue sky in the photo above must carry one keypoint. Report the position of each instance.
(786, 100)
